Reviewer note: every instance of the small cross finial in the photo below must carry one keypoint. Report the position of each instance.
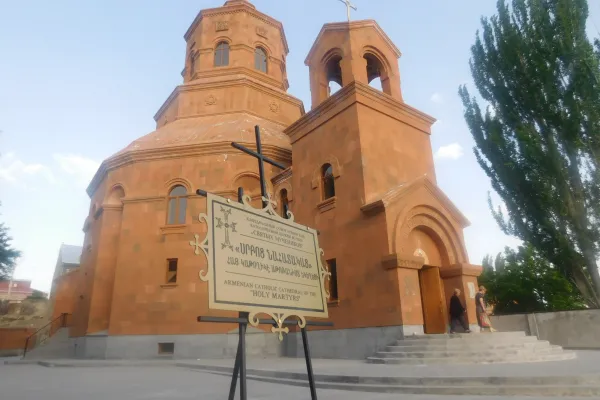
(349, 6)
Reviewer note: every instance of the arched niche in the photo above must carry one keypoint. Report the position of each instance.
(378, 70)
(332, 71)
(115, 196)
(250, 181)
(429, 221)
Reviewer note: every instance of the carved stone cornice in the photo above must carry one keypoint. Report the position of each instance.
(234, 9)
(354, 25)
(363, 94)
(232, 77)
(195, 150)
(394, 261)
(225, 71)
(461, 270)
(143, 199)
(282, 176)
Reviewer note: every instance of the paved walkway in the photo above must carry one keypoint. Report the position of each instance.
(30, 381)
(586, 363)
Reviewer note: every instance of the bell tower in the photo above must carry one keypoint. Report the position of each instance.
(358, 51)
(363, 175)
(371, 133)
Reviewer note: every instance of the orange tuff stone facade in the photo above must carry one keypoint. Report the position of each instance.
(360, 170)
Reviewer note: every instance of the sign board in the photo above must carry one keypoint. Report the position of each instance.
(259, 262)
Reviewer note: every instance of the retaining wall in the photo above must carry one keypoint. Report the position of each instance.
(569, 329)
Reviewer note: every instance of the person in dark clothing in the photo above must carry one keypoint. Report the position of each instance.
(457, 313)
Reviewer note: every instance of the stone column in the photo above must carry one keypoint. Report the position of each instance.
(411, 309)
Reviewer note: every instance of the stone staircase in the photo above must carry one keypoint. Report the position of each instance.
(473, 348)
(55, 347)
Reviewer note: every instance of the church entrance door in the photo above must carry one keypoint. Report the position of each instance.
(433, 300)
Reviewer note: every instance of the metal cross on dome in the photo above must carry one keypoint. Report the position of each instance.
(349, 6)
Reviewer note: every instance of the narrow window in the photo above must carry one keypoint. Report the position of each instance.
(166, 348)
(283, 197)
(328, 183)
(172, 270)
(222, 55)
(192, 61)
(260, 59)
(332, 287)
(177, 205)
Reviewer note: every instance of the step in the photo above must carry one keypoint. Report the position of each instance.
(518, 334)
(469, 354)
(479, 390)
(468, 346)
(585, 380)
(458, 340)
(476, 360)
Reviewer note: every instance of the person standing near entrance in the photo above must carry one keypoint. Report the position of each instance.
(457, 313)
(482, 318)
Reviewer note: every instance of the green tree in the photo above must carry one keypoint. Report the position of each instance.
(8, 255)
(36, 294)
(539, 138)
(526, 282)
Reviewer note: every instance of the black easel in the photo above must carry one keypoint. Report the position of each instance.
(242, 320)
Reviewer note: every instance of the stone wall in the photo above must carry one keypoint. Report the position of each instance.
(12, 340)
(569, 329)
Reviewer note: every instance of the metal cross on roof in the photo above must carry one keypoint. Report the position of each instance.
(349, 6)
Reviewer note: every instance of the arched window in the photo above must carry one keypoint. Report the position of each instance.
(177, 205)
(222, 55)
(283, 200)
(260, 59)
(328, 183)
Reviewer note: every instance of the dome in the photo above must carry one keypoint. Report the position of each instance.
(237, 127)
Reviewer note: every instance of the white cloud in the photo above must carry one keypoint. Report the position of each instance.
(14, 170)
(452, 151)
(80, 167)
(437, 98)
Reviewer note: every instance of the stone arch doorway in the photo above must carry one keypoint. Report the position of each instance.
(425, 236)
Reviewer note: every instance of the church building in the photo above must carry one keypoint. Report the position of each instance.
(360, 170)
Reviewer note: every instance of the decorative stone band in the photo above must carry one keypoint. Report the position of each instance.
(461, 270)
(393, 261)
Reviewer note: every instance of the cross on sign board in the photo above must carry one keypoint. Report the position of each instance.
(349, 6)
(261, 161)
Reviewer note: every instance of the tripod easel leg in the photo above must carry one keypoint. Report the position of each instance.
(309, 369)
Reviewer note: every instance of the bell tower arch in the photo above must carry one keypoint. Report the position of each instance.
(358, 51)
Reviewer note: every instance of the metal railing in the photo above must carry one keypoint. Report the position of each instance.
(46, 332)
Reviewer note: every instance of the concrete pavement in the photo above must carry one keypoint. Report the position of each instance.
(30, 381)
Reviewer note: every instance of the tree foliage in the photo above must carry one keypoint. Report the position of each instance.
(8, 255)
(37, 294)
(539, 138)
(523, 281)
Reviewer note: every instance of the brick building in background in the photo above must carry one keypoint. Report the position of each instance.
(15, 290)
(360, 170)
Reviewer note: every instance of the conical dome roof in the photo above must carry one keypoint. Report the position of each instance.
(226, 128)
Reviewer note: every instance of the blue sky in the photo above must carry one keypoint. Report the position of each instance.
(80, 80)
